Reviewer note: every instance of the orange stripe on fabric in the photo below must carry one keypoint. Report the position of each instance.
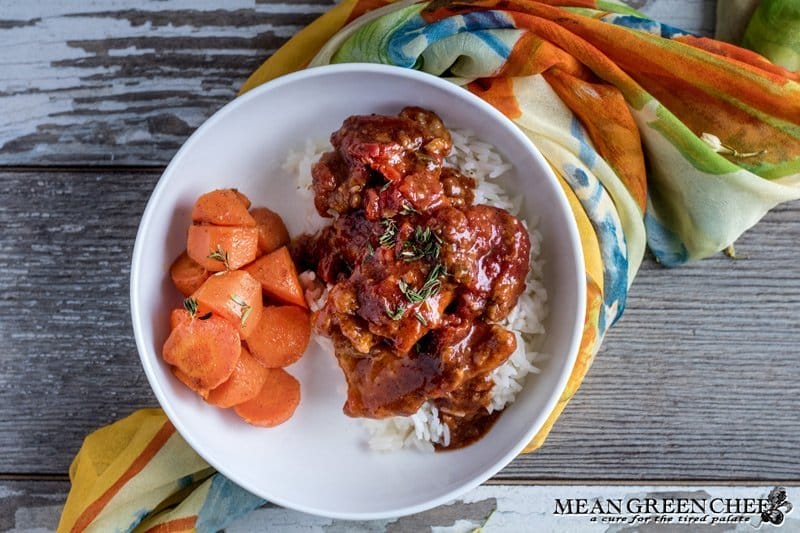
(175, 526)
(776, 73)
(157, 442)
(364, 6)
(499, 92)
(608, 121)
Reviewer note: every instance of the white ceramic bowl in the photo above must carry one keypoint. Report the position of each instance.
(318, 461)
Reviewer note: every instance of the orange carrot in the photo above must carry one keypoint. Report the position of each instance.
(281, 336)
(233, 295)
(272, 233)
(187, 275)
(206, 351)
(223, 207)
(275, 402)
(278, 277)
(178, 317)
(218, 248)
(244, 384)
(192, 383)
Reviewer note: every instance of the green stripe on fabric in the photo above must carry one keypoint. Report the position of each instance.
(371, 42)
(694, 150)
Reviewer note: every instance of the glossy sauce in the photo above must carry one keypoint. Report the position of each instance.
(419, 277)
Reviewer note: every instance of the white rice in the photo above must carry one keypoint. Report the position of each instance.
(481, 161)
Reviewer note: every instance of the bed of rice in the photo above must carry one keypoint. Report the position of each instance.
(482, 162)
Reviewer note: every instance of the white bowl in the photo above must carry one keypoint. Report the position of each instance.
(318, 461)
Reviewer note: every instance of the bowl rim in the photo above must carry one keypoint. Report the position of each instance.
(537, 422)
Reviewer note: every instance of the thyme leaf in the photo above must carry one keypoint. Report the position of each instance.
(398, 312)
(420, 318)
(423, 244)
(389, 236)
(221, 256)
(246, 309)
(190, 304)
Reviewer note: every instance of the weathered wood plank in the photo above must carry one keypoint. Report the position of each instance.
(27, 506)
(698, 381)
(124, 83)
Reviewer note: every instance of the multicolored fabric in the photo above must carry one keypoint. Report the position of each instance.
(139, 475)
(660, 138)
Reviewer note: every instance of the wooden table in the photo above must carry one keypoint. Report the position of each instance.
(699, 382)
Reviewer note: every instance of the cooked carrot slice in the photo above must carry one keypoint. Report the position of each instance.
(192, 383)
(187, 275)
(218, 248)
(206, 351)
(223, 207)
(278, 277)
(275, 402)
(178, 317)
(281, 336)
(243, 385)
(272, 232)
(233, 295)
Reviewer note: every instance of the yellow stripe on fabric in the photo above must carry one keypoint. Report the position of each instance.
(589, 242)
(104, 458)
(590, 343)
(302, 48)
(125, 470)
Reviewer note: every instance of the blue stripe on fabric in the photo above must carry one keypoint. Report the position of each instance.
(644, 24)
(225, 503)
(601, 212)
(417, 30)
(587, 154)
(668, 249)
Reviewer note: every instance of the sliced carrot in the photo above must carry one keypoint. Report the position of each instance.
(187, 275)
(242, 198)
(278, 277)
(218, 248)
(178, 317)
(233, 295)
(206, 351)
(243, 385)
(192, 383)
(272, 232)
(275, 403)
(281, 336)
(223, 207)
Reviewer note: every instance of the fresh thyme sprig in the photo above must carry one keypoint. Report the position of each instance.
(246, 309)
(429, 289)
(190, 304)
(420, 318)
(389, 236)
(423, 244)
(221, 256)
(397, 313)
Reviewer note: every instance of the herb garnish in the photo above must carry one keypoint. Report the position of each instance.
(424, 244)
(420, 318)
(429, 289)
(246, 309)
(190, 304)
(389, 236)
(221, 256)
(408, 209)
(397, 314)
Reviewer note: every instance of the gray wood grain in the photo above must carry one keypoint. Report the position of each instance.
(124, 83)
(700, 380)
